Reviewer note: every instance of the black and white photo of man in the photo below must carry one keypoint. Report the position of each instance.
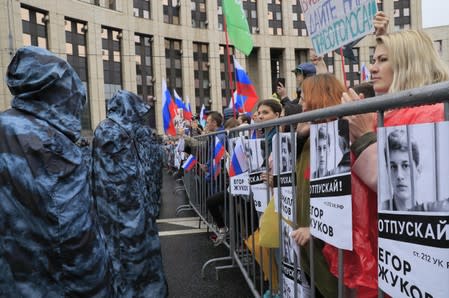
(344, 165)
(404, 169)
(322, 146)
(286, 154)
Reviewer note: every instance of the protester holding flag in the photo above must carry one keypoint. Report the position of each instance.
(169, 110)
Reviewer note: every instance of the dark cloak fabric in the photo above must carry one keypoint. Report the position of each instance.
(50, 242)
(126, 206)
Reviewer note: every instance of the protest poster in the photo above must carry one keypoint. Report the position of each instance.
(238, 165)
(413, 210)
(255, 152)
(284, 157)
(290, 261)
(330, 183)
(334, 23)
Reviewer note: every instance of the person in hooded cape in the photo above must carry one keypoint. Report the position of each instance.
(127, 206)
(50, 242)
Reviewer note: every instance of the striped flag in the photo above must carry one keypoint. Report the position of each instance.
(188, 111)
(219, 152)
(189, 163)
(239, 162)
(168, 110)
(246, 96)
(365, 74)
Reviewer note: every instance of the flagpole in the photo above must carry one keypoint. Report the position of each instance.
(343, 66)
(228, 61)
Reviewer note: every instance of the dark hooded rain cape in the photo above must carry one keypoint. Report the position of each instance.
(126, 207)
(50, 243)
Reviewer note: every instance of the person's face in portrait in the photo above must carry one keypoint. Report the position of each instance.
(400, 169)
(381, 70)
(322, 148)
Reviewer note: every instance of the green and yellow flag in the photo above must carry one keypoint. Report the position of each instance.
(237, 26)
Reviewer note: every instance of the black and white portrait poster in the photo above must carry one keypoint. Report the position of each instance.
(255, 152)
(413, 215)
(284, 156)
(330, 183)
(238, 184)
(290, 258)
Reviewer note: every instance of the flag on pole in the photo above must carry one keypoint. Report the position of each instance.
(188, 112)
(189, 163)
(168, 110)
(202, 114)
(239, 162)
(237, 26)
(365, 74)
(219, 152)
(246, 97)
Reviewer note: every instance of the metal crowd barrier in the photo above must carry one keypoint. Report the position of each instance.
(240, 215)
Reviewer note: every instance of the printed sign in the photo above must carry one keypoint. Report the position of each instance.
(334, 23)
(413, 215)
(239, 184)
(330, 183)
(255, 151)
(284, 156)
(292, 280)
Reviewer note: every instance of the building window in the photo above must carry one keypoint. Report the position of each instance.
(275, 17)
(199, 16)
(438, 45)
(111, 4)
(299, 24)
(173, 65)
(329, 60)
(142, 8)
(352, 69)
(224, 75)
(34, 27)
(380, 5)
(171, 10)
(276, 66)
(112, 65)
(201, 74)
(371, 54)
(75, 44)
(144, 72)
(250, 8)
(402, 14)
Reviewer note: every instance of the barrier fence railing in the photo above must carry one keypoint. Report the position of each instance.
(262, 268)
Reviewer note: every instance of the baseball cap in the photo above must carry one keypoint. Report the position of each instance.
(307, 69)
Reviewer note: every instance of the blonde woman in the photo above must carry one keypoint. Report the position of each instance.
(401, 61)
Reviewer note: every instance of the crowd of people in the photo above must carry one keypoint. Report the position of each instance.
(81, 221)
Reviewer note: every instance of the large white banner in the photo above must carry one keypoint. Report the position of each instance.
(413, 215)
(284, 157)
(334, 23)
(330, 183)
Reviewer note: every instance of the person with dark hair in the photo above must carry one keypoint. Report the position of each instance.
(244, 118)
(322, 143)
(214, 121)
(127, 206)
(365, 90)
(50, 242)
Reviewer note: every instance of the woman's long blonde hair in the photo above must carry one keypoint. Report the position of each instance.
(414, 60)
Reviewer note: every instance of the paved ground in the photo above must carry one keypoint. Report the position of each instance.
(185, 249)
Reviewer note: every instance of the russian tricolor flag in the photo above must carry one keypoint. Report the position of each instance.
(239, 162)
(219, 152)
(365, 74)
(188, 112)
(168, 110)
(246, 97)
(189, 163)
